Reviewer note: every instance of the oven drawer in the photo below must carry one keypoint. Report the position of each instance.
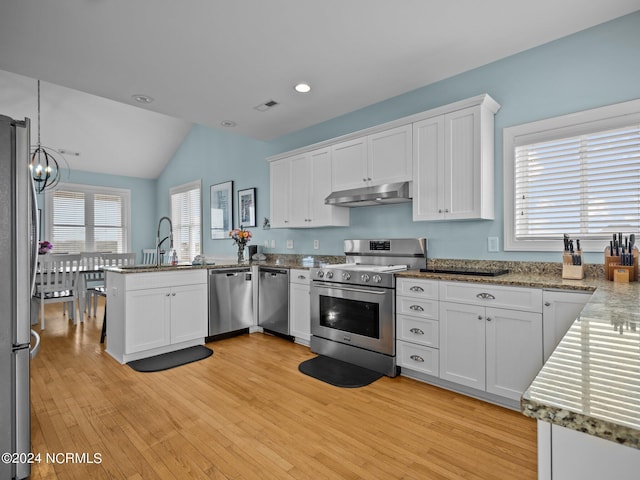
(418, 358)
(422, 331)
(513, 298)
(413, 287)
(417, 307)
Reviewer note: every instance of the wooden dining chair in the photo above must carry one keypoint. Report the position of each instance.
(57, 282)
(119, 259)
(91, 276)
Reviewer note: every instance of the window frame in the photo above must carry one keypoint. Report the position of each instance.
(580, 123)
(124, 193)
(182, 189)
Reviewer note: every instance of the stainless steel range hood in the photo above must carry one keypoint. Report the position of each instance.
(366, 196)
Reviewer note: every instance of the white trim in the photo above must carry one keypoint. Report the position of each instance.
(485, 98)
(125, 193)
(186, 187)
(587, 121)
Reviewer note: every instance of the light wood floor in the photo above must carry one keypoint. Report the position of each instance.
(247, 413)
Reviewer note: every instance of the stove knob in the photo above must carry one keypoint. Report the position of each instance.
(377, 278)
(346, 276)
(365, 277)
(320, 274)
(329, 275)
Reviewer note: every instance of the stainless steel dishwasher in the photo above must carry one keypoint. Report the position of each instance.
(273, 300)
(230, 300)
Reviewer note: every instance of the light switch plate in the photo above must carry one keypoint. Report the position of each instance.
(289, 243)
(273, 244)
(316, 244)
(493, 244)
(266, 244)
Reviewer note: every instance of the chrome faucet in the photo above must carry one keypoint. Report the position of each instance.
(160, 242)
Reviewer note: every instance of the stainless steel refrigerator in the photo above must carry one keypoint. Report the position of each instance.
(18, 260)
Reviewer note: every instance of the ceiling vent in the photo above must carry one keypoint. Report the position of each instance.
(263, 107)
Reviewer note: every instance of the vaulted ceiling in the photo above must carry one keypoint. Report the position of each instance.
(214, 62)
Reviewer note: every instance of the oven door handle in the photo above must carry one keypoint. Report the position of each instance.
(349, 289)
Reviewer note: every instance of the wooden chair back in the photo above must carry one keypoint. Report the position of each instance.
(148, 256)
(119, 259)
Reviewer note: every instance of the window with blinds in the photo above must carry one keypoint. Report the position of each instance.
(586, 185)
(576, 174)
(85, 219)
(186, 214)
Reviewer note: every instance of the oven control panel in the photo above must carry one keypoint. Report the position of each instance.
(353, 277)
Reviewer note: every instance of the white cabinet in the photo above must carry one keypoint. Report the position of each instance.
(299, 185)
(154, 313)
(417, 325)
(453, 164)
(376, 159)
(560, 311)
(279, 185)
(300, 305)
(497, 350)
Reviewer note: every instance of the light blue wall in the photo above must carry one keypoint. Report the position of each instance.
(592, 68)
(143, 207)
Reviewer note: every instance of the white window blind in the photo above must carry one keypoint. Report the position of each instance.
(577, 173)
(186, 214)
(83, 219)
(586, 185)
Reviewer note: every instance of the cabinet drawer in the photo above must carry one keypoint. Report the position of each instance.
(299, 276)
(422, 331)
(413, 287)
(417, 307)
(420, 359)
(141, 281)
(514, 298)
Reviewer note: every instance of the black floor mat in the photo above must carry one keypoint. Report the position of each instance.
(338, 373)
(169, 360)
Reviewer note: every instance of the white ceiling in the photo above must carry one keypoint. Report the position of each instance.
(210, 61)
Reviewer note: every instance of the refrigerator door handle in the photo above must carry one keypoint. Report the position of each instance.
(36, 233)
(36, 347)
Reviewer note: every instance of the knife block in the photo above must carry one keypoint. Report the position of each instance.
(570, 271)
(611, 262)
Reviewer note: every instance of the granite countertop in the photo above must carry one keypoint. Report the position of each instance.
(591, 382)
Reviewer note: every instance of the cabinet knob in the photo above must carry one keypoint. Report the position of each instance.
(547, 304)
(416, 358)
(479, 317)
(416, 308)
(488, 319)
(286, 221)
(485, 296)
(301, 277)
(416, 289)
(173, 294)
(446, 210)
(364, 179)
(167, 294)
(439, 210)
(417, 331)
(368, 178)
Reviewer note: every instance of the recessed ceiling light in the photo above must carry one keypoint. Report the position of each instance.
(302, 88)
(141, 98)
(228, 123)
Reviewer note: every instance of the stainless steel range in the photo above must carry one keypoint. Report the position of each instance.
(353, 304)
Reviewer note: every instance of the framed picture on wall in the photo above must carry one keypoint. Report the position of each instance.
(247, 207)
(221, 210)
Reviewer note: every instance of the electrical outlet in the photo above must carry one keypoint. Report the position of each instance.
(492, 244)
(316, 244)
(273, 244)
(289, 243)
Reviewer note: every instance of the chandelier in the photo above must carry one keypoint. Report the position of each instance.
(44, 166)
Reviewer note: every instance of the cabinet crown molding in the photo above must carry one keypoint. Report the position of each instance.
(484, 99)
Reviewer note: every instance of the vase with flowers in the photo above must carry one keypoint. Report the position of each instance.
(44, 247)
(240, 237)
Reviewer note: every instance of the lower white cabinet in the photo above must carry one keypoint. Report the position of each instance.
(300, 305)
(559, 312)
(417, 336)
(153, 313)
(490, 349)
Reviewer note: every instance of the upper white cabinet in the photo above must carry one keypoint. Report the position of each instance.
(299, 185)
(453, 164)
(376, 159)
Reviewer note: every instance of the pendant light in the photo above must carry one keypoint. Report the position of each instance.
(44, 167)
